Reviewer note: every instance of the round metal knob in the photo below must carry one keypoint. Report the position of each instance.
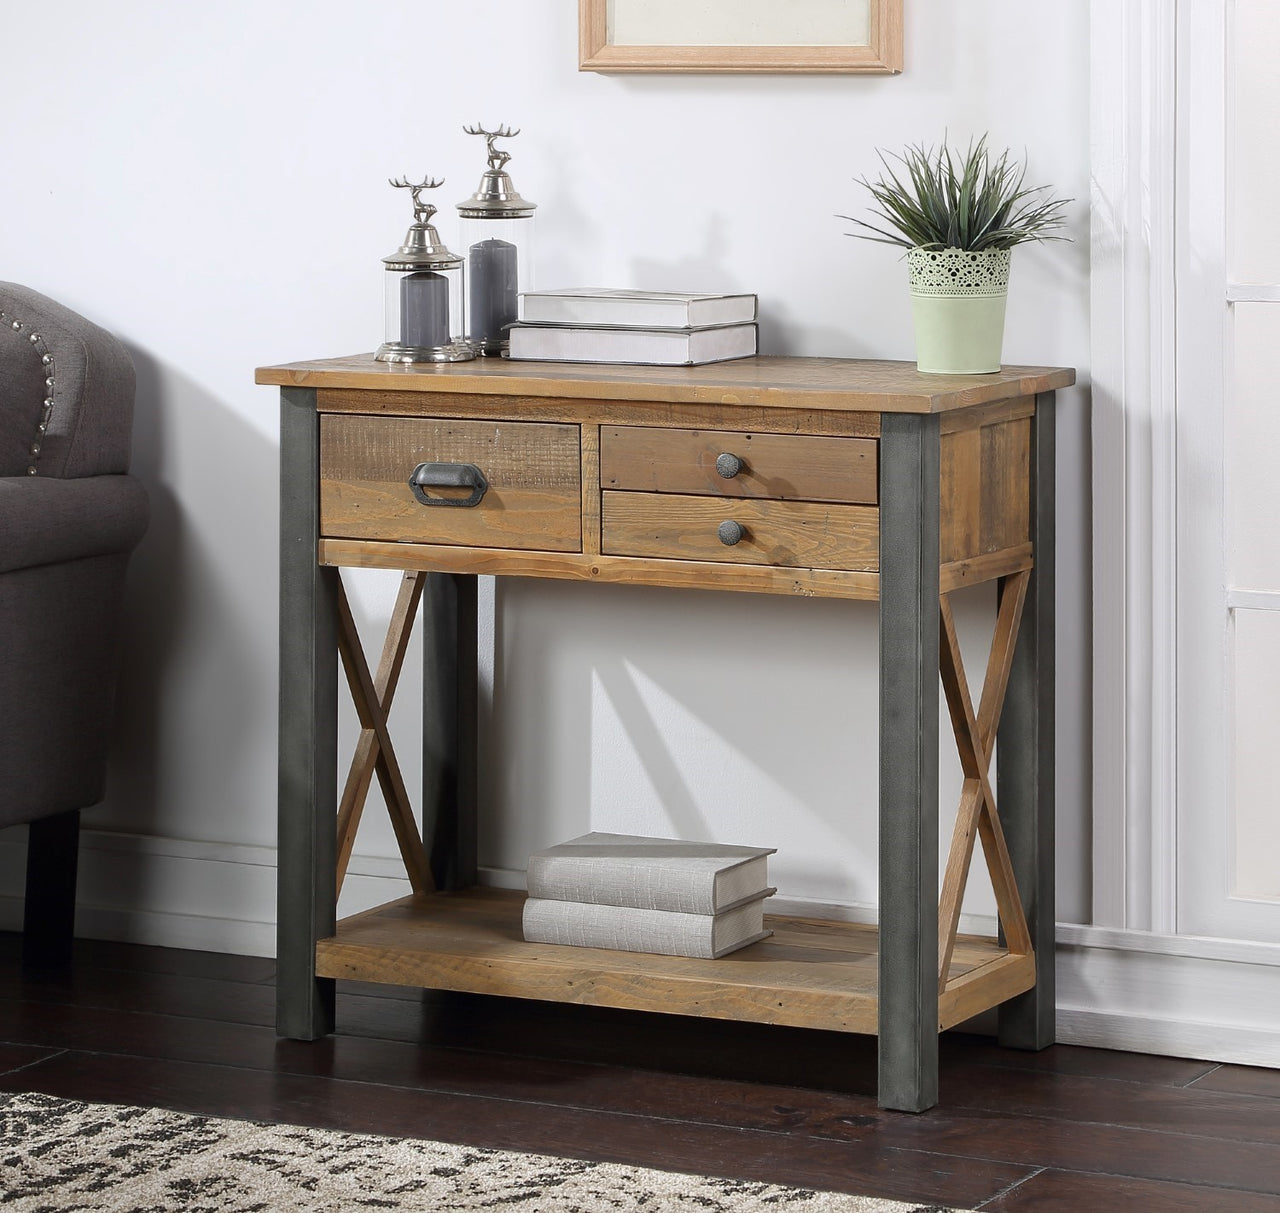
(728, 465)
(730, 532)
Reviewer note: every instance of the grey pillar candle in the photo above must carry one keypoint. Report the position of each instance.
(493, 286)
(424, 309)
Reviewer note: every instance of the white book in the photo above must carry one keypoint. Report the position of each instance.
(650, 873)
(586, 925)
(600, 307)
(647, 347)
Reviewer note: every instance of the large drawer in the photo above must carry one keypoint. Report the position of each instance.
(788, 467)
(788, 534)
(533, 500)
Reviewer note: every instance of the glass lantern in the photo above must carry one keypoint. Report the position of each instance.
(426, 292)
(496, 229)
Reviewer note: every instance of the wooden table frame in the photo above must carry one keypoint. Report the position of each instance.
(917, 640)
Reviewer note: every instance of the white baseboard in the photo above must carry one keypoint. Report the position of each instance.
(1187, 997)
(1213, 999)
(177, 893)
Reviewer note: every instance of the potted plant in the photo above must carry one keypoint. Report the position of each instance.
(959, 217)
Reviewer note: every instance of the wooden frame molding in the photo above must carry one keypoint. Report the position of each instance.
(882, 53)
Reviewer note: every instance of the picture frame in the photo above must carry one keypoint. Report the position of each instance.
(861, 36)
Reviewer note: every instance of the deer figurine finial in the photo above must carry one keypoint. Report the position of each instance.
(496, 158)
(422, 211)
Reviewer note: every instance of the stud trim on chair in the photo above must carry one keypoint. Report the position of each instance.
(46, 359)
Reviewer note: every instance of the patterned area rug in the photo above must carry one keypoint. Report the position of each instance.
(59, 1154)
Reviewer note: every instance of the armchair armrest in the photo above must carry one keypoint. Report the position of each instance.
(49, 521)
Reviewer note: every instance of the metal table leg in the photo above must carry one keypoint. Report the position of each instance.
(308, 786)
(1025, 753)
(909, 519)
(449, 724)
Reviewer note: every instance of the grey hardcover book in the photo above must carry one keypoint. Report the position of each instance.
(585, 925)
(643, 347)
(600, 307)
(650, 873)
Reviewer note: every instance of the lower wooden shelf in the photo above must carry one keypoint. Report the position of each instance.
(639, 570)
(810, 973)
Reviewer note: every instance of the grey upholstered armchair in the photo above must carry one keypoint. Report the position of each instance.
(69, 517)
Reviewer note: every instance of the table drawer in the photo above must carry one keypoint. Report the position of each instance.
(533, 471)
(789, 467)
(788, 534)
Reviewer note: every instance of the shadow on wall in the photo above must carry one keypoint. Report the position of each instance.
(694, 714)
(183, 725)
(524, 806)
(571, 227)
(678, 713)
(155, 599)
(779, 335)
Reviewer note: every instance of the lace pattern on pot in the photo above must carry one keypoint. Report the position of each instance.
(953, 271)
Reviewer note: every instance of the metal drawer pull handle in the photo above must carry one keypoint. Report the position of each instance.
(729, 465)
(448, 476)
(730, 532)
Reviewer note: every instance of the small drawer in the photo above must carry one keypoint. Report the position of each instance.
(533, 498)
(787, 534)
(785, 467)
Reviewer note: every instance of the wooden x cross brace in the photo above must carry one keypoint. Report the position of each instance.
(374, 750)
(975, 739)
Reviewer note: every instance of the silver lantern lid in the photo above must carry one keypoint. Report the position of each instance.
(496, 197)
(422, 248)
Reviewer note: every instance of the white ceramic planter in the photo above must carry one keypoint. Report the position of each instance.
(957, 304)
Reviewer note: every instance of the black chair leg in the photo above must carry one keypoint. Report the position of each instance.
(53, 847)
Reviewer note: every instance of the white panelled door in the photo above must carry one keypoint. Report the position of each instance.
(1228, 578)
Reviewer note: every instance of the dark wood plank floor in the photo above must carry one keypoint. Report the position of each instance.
(1067, 1129)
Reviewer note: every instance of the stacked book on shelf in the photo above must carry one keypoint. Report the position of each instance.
(648, 895)
(651, 328)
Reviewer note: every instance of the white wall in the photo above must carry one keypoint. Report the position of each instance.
(210, 183)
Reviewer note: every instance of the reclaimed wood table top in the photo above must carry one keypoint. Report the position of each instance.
(841, 384)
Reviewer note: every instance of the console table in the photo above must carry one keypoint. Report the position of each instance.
(806, 476)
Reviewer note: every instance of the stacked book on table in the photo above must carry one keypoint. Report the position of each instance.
(651, 328)
(648, 895)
